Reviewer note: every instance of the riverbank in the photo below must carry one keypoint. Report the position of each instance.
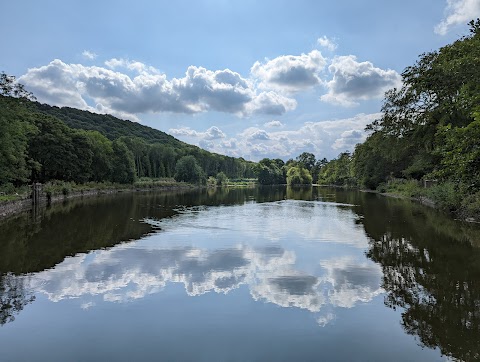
(443, 197)
(457, 213)
(60, 191)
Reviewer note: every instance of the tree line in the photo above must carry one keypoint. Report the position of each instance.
(429, 130)
(303, 170)
(40, 143)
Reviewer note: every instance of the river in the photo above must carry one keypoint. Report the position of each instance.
(242, 274)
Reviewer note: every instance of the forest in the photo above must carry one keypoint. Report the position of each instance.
(41, 143)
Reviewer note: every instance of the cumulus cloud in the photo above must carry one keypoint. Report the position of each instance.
(327, 43)
(458, 12)
(149, 91)
(353, 81)
(89, 55)
(324, 139)
(274, 124)
(210, 134)
(253, 134)
(290, 72)
(348, 140)
(271, 103)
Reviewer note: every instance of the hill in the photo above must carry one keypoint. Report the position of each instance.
(39, 142)
(108, 125)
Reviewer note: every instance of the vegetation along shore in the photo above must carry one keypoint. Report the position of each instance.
(425, 146)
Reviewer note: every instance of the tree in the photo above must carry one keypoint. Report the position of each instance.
(460, 154)
(338, 171)
(14, 135)
(270, 172)
(298, 176)
(123, 166)
(188, 170)
(11, 88)
(102, 156)
(221, 179)
(307, 159)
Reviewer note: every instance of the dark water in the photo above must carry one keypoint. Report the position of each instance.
(270, 274)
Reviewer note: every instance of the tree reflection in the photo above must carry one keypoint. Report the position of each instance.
(432, 275)
(13, 297)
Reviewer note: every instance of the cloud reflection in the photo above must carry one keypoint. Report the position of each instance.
(275, 271)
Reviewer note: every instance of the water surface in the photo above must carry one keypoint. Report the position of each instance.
(239, 274)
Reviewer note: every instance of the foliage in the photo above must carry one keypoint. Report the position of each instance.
(425, 122)
(123, 164)
(407, 188)
(221, 179)
(429, 129)
(11, 88)
(270, 172)
(14, 135)
(460, 154)
(188, 170)
(338, 172)
(298, 176)
(39, 143)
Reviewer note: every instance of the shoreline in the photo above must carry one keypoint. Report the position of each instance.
(425, 201)
(12, 208)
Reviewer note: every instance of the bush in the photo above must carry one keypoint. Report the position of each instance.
(298, 176)
(470, 207)
(447, 196)
(222, 179)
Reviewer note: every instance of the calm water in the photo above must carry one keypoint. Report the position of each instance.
(270, 274)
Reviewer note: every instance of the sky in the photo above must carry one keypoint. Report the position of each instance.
(245, 78)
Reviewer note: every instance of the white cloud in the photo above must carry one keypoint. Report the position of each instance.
(229, 144)
(89, 55)
(349, 139)
(257, 134)
(290, 72)
(271, 103)
(274, 124)
(210, 134)
(327, 43)
(324, 139)
(214, 133)
(149, 91)
(206, 144)
(458, 12)
(354, 81)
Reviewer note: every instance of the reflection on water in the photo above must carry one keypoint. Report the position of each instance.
(297, 249)
(271, 272)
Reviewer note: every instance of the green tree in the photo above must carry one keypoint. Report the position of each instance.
(221, 179)
(270, 172)
(188, 170)
(298, 176)
(338, 171)
(307, 159)
(460, 154)
(123, 166)
(14, 135)
(11, 88)
(102, 156)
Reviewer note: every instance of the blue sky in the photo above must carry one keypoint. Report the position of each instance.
(245, 78)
